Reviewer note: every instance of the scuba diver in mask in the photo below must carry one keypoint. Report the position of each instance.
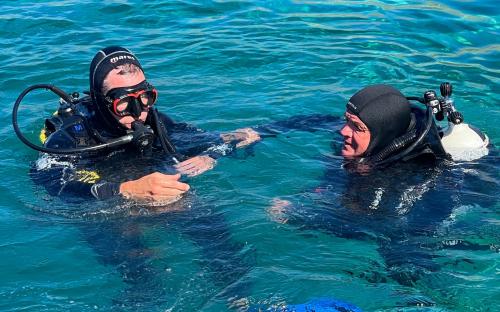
(105, 145)
(397, 181)
(119, 117)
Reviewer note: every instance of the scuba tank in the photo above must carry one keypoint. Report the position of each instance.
(462, 141)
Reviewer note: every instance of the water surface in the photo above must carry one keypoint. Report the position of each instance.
(226, 64)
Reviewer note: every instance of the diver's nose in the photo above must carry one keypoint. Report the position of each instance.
(346, 131)
(136, 109)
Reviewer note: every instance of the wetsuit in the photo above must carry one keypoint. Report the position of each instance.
(120, 241)
(401, 206)
(99, 174)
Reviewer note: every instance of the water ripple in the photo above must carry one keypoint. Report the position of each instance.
(228, 64)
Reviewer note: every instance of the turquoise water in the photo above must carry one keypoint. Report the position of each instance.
(227, 64)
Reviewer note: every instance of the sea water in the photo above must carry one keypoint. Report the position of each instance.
(222, 65)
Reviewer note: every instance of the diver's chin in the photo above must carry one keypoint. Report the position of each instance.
(347, 151)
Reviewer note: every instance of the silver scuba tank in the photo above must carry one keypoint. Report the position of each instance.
(462, 141)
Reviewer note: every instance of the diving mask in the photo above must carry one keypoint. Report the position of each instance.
(131, 101)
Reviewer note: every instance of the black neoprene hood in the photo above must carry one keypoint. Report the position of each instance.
(384, 110)
(103, 62)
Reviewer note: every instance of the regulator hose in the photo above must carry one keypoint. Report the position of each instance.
(415, 144)
(111, 143)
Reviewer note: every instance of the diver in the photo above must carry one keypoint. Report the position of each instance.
(382, 127)
(117, 123)
(101, 146)
(396, 181)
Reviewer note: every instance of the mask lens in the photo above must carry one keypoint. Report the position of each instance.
(148, 98)
(122, 106)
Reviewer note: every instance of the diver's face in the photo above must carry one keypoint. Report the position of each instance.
(115, 80)
(356, 136)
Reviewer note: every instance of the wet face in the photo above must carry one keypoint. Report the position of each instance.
(116, 80)
(356, 136)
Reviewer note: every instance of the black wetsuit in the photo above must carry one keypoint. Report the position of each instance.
(119, 240)
(401, 205)
(99, 174)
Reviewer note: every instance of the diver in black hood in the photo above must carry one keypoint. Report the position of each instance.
(383, 127)
(399, 186)
(119, 117)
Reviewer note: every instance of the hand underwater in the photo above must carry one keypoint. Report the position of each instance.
(245, 136)
(195, 166)
(154, 187)
(279, 209)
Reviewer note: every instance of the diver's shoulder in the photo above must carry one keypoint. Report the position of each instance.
(67, 129)
(167, 120)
